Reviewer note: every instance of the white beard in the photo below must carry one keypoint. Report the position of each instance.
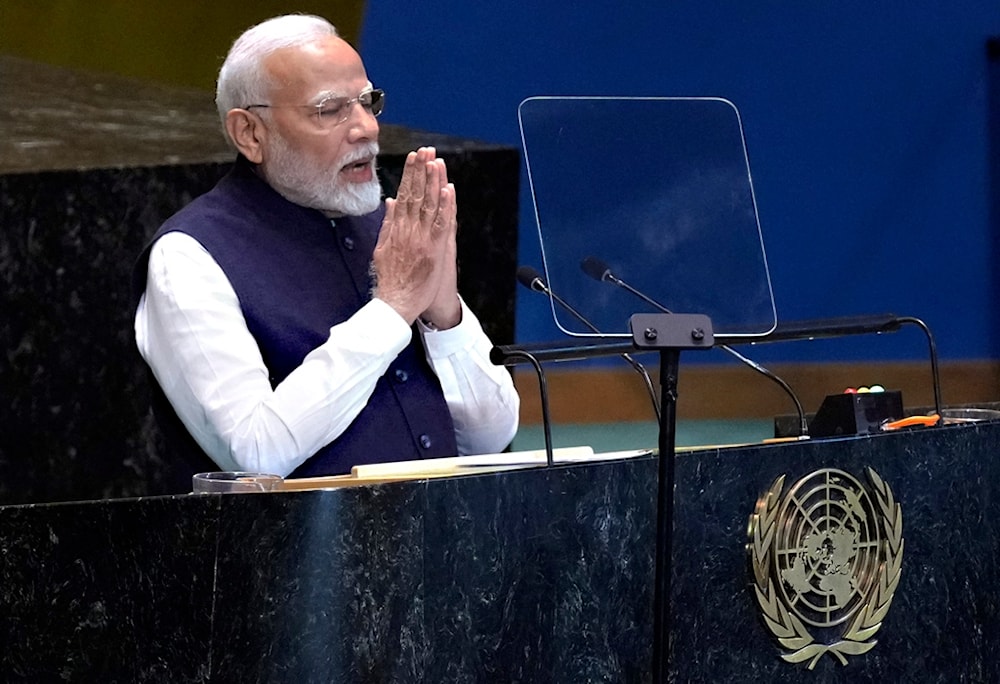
(310, 185)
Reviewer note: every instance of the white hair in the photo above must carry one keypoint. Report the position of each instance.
(242, 79)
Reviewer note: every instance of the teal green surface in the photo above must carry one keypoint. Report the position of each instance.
(642, 435)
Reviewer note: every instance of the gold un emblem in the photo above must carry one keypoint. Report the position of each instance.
(826, 561)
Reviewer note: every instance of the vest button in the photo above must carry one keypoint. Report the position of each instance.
(425, 441)
(348, 243)
(402, 375)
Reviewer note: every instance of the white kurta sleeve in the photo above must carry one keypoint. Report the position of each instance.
(481, 396)
(190, 330)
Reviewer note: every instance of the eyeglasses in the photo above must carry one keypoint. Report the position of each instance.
(333, 111)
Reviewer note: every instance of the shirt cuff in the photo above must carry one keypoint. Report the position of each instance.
(377, 317)
(441, 344)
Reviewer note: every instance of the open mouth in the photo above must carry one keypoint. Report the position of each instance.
(358, 166)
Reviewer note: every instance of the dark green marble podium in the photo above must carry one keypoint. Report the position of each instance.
(539, 575)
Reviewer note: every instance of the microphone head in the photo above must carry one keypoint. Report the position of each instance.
(531, 278)
(595, 268)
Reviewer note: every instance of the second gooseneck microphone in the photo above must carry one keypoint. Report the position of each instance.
(533, 280)
(600, 271)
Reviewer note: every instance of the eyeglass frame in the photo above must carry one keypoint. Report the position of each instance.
(375, 95)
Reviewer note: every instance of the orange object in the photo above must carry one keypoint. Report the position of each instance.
(912, 421)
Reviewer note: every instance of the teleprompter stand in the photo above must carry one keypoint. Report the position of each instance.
(668, 334)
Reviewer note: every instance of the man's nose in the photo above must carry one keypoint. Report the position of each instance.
(363, 124)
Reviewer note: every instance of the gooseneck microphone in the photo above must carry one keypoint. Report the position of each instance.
(601, 272)
(533, 280)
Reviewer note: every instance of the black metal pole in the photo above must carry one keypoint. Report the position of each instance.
(543, 393)
(669, 369)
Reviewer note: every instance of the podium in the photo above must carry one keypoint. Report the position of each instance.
(542, 574)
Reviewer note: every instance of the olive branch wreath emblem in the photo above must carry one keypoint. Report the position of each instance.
(785, 625)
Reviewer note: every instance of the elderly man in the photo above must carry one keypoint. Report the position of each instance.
(295, 323)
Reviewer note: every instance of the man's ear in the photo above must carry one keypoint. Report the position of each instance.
(247, 133)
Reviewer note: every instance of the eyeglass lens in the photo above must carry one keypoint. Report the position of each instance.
(336, 110)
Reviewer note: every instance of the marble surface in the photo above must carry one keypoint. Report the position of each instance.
(53, 118)
(59, 119)
(90, 165)
(944, 622)
(535, 576)
(115, 591)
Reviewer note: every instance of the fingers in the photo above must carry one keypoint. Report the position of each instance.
(445, 310)
(414, 260)
(411, 185)
(404, 184)
(419, 176)
(419, 189)
(427, 207)
(387, 222)
(447, 210)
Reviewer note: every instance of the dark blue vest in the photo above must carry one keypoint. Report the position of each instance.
(296, 276)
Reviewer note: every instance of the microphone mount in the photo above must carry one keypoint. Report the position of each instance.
(601, 271)
(532, 279)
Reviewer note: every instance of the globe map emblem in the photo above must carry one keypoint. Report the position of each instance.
(825, 561)
(826, 551)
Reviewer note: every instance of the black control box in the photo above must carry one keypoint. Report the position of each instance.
(856, 413)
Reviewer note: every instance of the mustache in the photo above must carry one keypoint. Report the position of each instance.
(365, 151)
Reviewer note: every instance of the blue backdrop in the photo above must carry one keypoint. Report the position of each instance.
(868, 129)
